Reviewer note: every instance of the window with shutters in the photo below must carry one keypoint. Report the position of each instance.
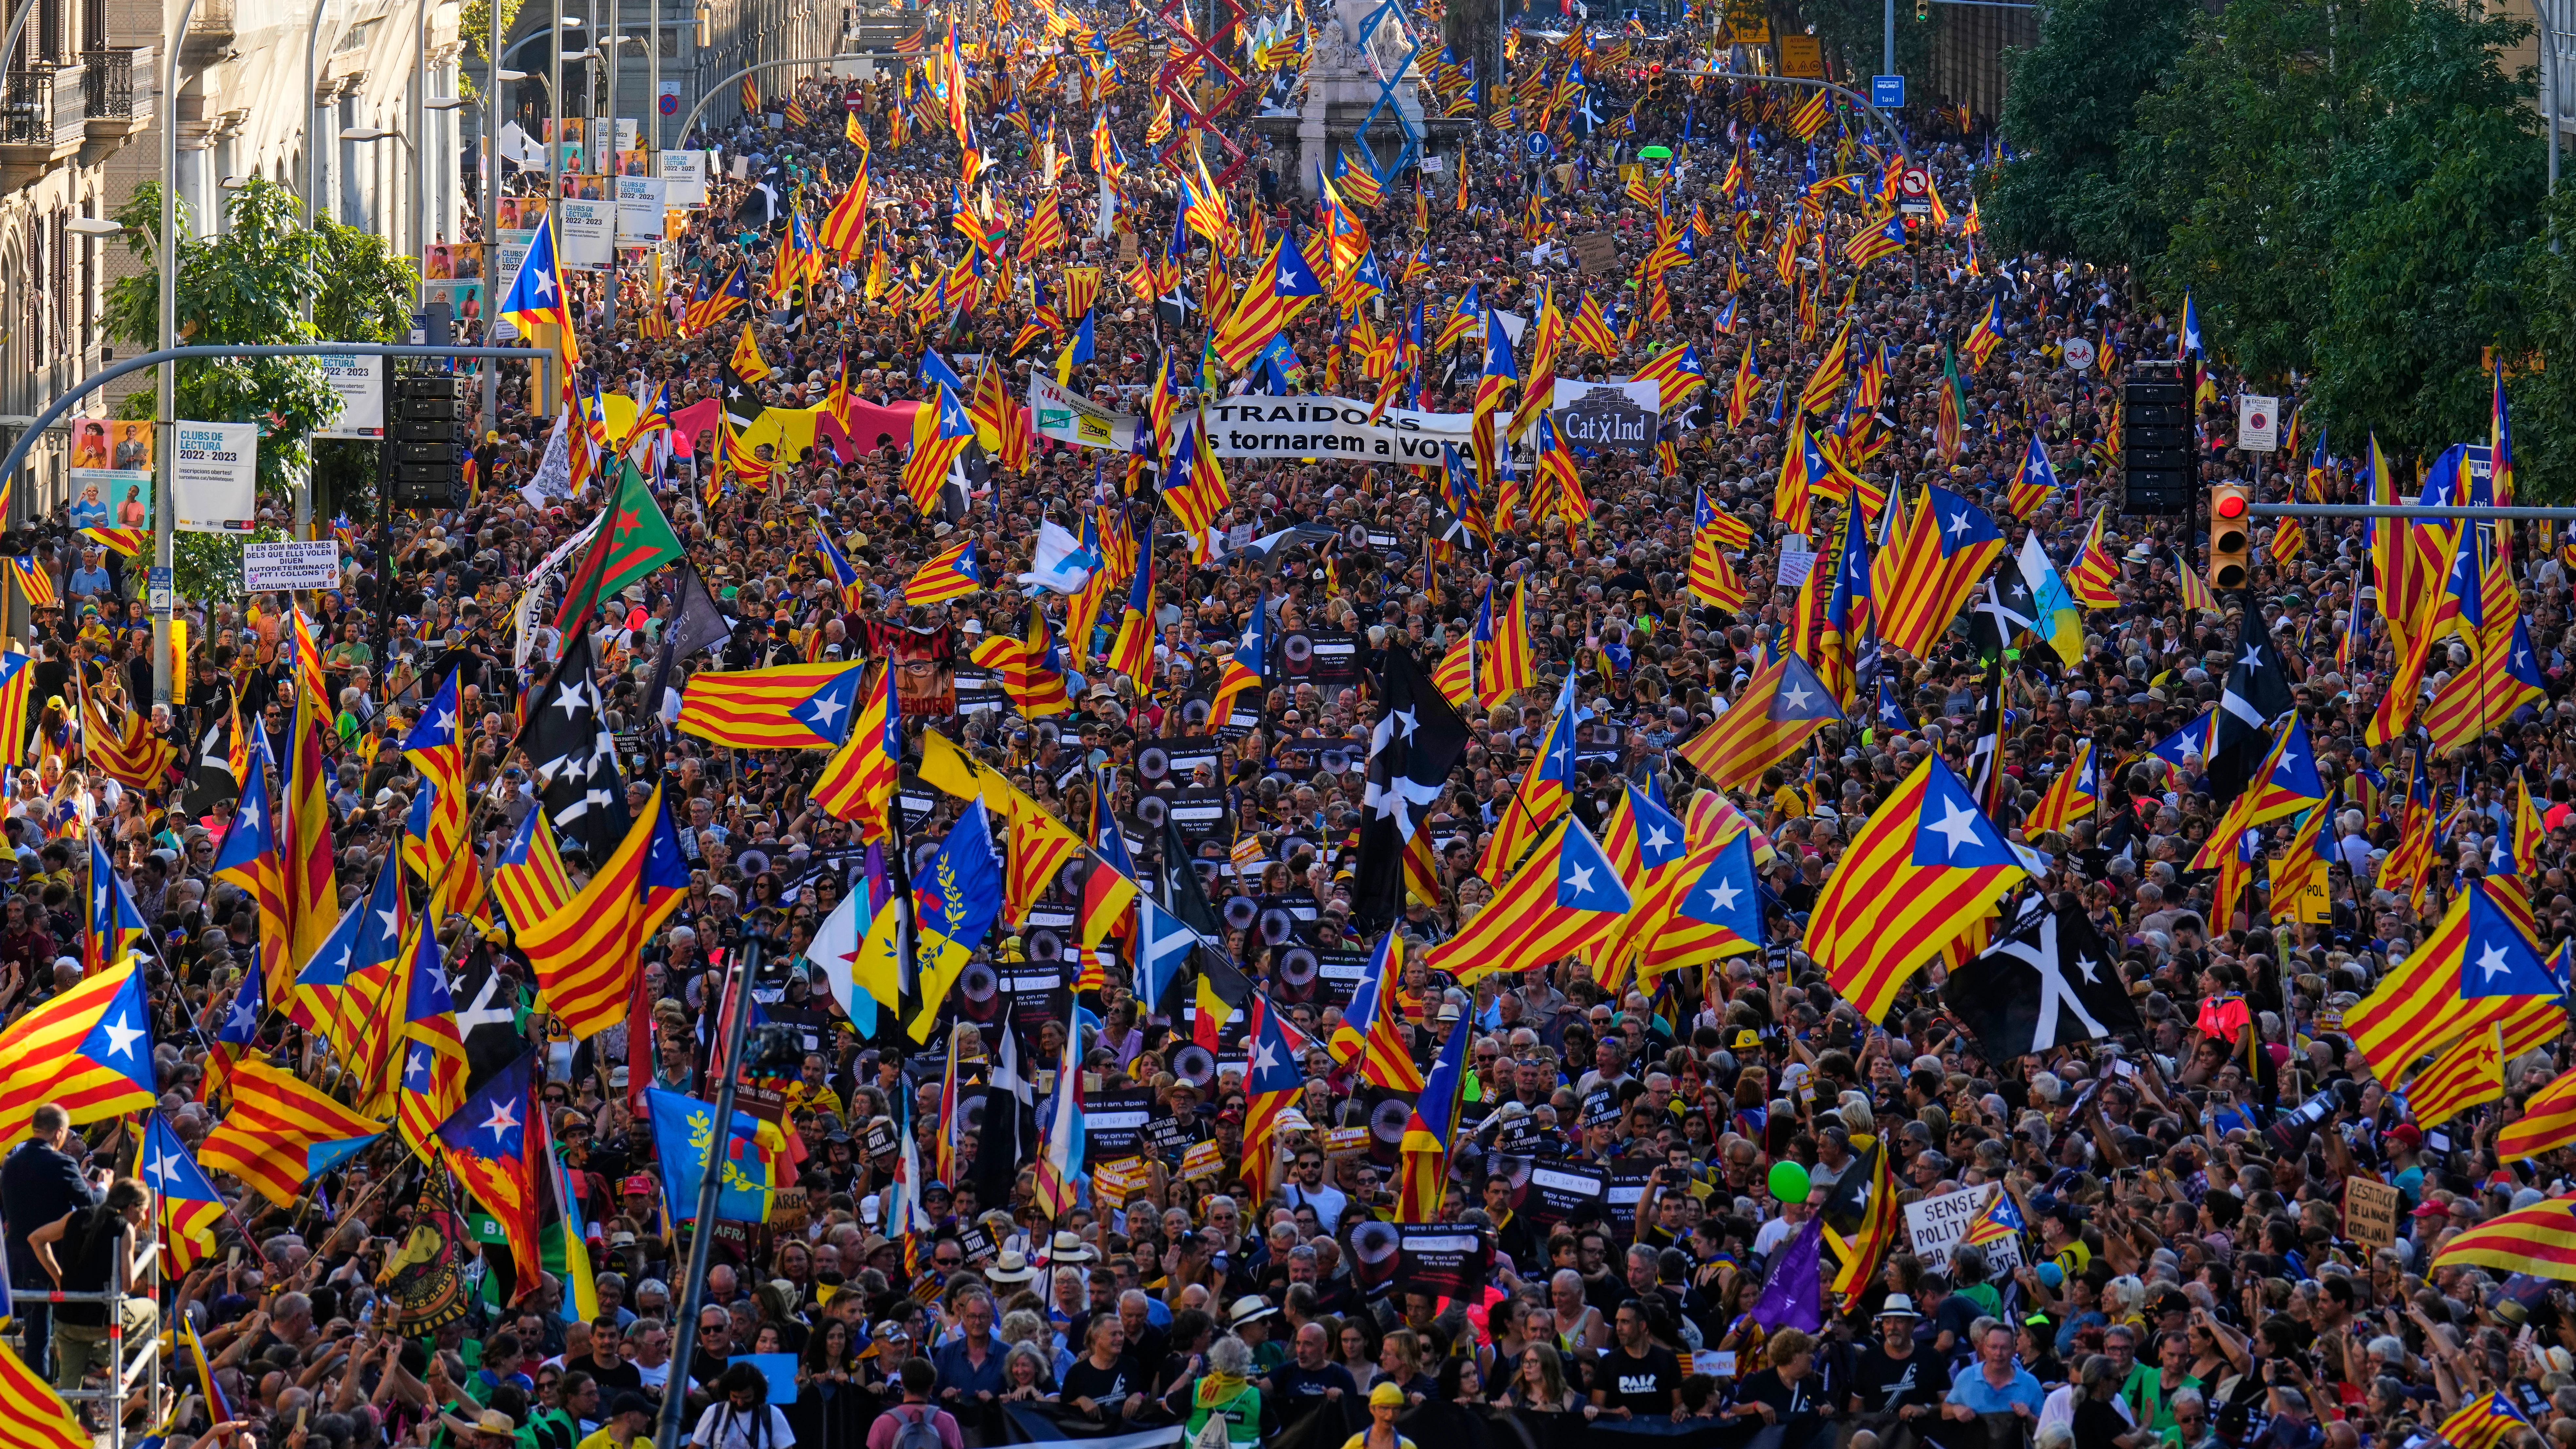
(34, 312)
(62, 280)
(93, 34)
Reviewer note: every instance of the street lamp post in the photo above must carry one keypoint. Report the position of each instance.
(165, 452)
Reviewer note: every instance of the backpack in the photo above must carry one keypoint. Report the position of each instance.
(918, 1432)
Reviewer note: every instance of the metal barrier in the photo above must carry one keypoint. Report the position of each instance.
(146, 1365)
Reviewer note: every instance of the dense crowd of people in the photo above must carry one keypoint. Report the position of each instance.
(2166, 1248)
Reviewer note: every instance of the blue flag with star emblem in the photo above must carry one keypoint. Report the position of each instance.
(1955, 833)
(1297, 277)
(1728, 894)
(1660, 839)
(1585, 878)
(186, 1199)
(2192, 739)
(2498, 959)
(490, 1147)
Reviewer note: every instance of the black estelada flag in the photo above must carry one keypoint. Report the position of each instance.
(701, 624)
(1007, 1097)
(575, 757)
(1416, 743)
(211, 782)
(742, 400)
(2257, 692)
(2050, 980)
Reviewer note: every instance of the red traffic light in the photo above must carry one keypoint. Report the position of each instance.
(1655, 69)
(2228, 505)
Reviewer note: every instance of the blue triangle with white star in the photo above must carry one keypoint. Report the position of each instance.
(1585, 878)
(1951, 831)
(1727, 893)
(121, 1041)
(1659, 835)
(2498, 959)
(828, 710)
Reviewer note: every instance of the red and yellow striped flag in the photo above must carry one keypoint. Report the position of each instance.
(585, 954)
(32, 1415)
(1927, 868)
(2470, 1074)
(2548, 1121)
(281, 1132)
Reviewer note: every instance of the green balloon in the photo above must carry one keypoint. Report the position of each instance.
(1788, 1182)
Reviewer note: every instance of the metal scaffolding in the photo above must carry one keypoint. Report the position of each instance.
(143, 1367)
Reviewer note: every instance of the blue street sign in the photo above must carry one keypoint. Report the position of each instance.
(1538, 146)
(1887, 92)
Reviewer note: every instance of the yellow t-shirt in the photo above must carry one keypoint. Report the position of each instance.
(610, 1439)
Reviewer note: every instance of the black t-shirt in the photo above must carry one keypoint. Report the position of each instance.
(623, 1375)
(88, 1259)
(1884, 1385)
(1297, 1389)
(1796, 1403)
(2098, 1425)
(1643, 1384)
(1108, 1387)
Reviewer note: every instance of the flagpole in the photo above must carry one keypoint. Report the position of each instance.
(684, 1335)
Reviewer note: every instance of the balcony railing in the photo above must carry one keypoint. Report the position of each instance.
(107, 85)
(41, 106)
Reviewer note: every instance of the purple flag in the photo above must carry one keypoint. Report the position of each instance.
(1794, 1295)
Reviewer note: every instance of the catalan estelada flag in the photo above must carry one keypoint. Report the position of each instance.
(1676, 372)
(2475, 968)
(789, 707)
(2548, 1121)
(2073, 795)
(2484, 1422)
(949, 574)
(281, 1132)
(1935, 569)
(490, 1144)
(1422, 1181)
(32, 1415)
(1927, 869)
(1370, 1033)
(189, 1205)
(2094, 577)
(1773, 717)
(1566, 896)
(858, 782)
(585, 955)
(89, 1049)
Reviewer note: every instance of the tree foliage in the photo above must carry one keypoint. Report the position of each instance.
(249, 286)
(1854, 32)
(2067, 107)
(2350, 193)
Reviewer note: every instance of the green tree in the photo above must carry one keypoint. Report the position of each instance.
(2069, 104)
(249, 286)
(2437, 216)
(2544, 400)
(1854, 32)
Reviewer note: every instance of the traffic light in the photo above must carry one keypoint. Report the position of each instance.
(425, 445)
(1922, 9)
(2156, 440)
(2231, 536)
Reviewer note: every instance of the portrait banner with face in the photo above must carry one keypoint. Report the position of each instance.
(111, 474)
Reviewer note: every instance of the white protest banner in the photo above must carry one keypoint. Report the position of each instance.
(684, 178)
(1328, 427)
(585, 237)
(290, 565)
(1068, 417)
(1936, 1224)
(360, 382)
(639, 208)
(214, 482)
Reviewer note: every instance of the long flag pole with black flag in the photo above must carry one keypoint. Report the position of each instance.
(1416, 742)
